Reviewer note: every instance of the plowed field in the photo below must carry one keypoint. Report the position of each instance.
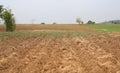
(65, 54)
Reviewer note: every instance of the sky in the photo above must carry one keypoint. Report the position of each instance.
(62, 11)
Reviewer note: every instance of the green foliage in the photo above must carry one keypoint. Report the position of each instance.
(7, 17)
(79, 21)
(90, 22)
(43, 23)
(9, 20)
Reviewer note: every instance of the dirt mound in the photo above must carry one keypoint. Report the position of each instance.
(96, 54)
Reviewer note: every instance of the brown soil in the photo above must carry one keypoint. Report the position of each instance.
(37, 54)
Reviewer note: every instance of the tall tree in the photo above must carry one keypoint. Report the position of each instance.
(9, 20)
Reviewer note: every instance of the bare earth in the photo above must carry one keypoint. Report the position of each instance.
(38, 54)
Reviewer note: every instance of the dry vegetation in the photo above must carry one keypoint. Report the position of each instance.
(49, 27)
(65, 54)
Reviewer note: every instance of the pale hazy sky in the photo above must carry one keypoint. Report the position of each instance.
(63, 11)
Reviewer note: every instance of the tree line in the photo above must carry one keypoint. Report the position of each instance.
(79, 21)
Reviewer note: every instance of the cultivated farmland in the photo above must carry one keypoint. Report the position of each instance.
(59, 49)
(48, 27)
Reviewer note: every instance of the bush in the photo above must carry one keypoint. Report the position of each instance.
(90, 22)
(42, 23)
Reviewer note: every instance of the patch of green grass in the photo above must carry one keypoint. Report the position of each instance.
(53, 33)
(106, 27)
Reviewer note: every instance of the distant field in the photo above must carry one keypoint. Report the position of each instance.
(106, 27)
(49, 27)
(73, 27)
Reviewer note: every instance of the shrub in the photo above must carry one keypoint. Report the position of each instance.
(90, 22)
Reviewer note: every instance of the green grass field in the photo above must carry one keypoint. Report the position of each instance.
(106, 27)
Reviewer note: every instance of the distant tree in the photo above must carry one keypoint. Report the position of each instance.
(79, 21)
(54, 23)
(9, 20)
(42, 23)
(90, 22)
(112, 22)
(82, 22)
